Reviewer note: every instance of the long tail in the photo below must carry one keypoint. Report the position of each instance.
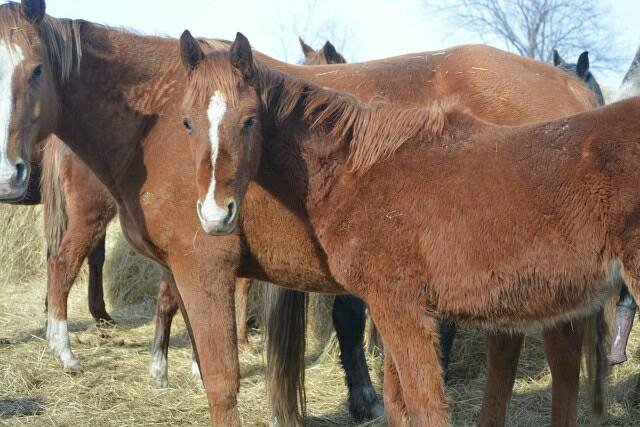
(55, 213)
(285, 326)
(596, 344)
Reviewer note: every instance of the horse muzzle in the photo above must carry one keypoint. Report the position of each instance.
(14, 181)
(217, 221)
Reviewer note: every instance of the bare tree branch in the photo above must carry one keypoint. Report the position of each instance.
(314, 24)
(534, 28)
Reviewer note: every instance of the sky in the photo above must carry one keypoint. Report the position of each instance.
(365, 29)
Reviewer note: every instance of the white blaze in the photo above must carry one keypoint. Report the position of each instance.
(9, 60)
(217, 108)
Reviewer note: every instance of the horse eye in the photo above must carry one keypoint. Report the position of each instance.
(248, 124)
(37, 72)
(187, 125)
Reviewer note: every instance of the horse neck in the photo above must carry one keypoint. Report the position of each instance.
(121, 90)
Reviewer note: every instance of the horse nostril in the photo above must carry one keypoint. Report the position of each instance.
(231, 210)
(21, 173)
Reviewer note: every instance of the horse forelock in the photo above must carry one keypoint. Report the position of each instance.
(60, 37)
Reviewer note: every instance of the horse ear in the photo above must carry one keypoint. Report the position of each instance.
(33, 10)
(330, 53)
(190, 51)
(583, 64)
(557, 59)
(242, 57)
(306, 49)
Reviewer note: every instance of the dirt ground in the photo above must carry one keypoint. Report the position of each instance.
(114, 390)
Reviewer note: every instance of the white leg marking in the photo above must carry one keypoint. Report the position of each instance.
(159, 369)
(217, 108)
(195, 370)
(9, 60)
(58, 338)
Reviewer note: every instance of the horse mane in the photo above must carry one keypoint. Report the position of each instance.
(373, 131)
(62, 37)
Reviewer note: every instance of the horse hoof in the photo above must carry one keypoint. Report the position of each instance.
(160, 383)
(616, 359)
(73, 367)
(365, 405)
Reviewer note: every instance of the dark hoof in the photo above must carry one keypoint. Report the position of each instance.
(365, 405)
(616, 359)
(105, 321)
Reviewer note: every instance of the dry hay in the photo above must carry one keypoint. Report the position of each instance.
(114, 389)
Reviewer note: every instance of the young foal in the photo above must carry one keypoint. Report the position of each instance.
(358, 172)
(121, 93)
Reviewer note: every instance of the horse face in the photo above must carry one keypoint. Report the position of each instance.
(26, 94)
(223, 122)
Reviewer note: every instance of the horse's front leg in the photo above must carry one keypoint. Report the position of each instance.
(206, 287)
(166, 308)
(503, 352)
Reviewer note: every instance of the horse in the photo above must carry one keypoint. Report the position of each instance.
(326, 55)
(121, 92)
(535, 224)
(630, 86)
(581, 70)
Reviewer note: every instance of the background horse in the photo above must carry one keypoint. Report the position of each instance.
(134, 85)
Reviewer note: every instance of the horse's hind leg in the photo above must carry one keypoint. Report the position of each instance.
(563, 348)
(96, 293)
(243, 286)
(349, 322)
(166, 308)
(503, 352)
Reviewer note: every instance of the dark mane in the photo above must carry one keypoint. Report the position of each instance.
(373, 131)
(62, 37)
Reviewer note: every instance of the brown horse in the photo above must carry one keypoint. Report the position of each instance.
(114, 98)
(325, 56)
(228, 110)
(551, 208)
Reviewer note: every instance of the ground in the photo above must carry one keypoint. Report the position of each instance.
(114, 390)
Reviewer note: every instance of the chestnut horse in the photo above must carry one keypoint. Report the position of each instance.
(228, 110)
(534, 224)
(114, 98)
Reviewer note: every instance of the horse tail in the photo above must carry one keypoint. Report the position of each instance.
(596, 344)
(285, 327)
(53, 198)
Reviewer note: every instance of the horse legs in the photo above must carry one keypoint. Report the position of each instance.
(166, 308)
(411, 337)
(349, 322)
(625, 314)
(96, 293)
(206, 288)
(563, 348)
(243, 286)
(394, 407)
(503, 352)
(448, 331)
(63, 266)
